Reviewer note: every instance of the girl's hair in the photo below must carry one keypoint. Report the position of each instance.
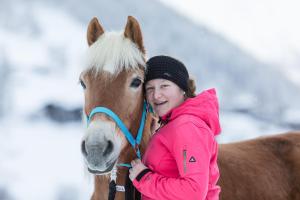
(191, 92)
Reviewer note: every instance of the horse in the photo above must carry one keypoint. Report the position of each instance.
(261, 168)
(257, 169)
(113, 80)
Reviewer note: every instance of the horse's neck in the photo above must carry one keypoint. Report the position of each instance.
(147, 132)
(102, 186)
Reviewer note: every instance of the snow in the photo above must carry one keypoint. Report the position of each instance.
(236, 127)
(40, 159)
(267, 29)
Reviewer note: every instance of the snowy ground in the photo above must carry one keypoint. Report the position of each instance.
(236, 127)
(42, 160)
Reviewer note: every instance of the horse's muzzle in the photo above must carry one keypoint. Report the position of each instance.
(98, 156)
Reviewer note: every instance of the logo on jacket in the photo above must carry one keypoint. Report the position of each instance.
(192, 159)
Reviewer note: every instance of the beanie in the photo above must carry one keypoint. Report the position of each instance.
(169, 68)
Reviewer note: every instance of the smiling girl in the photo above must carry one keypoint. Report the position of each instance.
(180, 161)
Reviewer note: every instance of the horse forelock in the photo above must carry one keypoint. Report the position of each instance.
(113, 52)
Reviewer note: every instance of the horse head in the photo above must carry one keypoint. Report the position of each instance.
(113, 79)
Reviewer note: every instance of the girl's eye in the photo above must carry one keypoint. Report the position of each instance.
(136, 83)
(82, 84)
(149, 89)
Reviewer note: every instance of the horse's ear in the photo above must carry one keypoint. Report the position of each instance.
(94, 31)
(134, 33)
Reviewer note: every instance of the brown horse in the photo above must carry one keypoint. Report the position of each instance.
(113, 79)
(262, 168)
(259, 169)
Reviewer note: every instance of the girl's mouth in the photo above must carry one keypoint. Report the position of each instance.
(161, 103)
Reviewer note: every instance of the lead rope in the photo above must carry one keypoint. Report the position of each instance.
(113, 187)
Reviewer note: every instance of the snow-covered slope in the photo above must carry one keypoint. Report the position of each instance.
(42, 44)
(267, 29)
(213, 60)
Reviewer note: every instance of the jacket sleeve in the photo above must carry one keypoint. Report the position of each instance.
(191, 148)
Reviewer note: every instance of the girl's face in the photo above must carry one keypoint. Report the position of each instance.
(163, 95)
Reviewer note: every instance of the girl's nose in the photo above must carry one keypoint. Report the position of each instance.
(157, 94)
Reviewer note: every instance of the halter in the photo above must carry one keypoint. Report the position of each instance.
(134, 142)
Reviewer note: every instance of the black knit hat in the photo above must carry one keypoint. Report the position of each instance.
(169, 68)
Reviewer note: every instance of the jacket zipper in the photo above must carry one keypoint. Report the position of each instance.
(184, 161)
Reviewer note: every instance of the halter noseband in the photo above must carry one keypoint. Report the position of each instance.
(134, 142)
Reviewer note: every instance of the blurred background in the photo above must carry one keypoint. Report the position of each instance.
(249, 51)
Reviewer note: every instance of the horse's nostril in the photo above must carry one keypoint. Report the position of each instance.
(108, 148)
(83, 148)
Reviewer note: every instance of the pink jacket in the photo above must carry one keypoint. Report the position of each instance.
(182, 155)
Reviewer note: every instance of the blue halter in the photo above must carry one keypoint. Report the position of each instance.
(134, 142)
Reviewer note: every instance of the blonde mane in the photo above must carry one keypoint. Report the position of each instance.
(113, 52)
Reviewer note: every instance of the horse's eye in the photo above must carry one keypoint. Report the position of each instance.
(136, 83)
(82, 84)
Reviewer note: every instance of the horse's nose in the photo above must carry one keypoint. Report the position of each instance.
(108, 149)
(105, 150)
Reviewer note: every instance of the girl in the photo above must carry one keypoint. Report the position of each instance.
(180, 161)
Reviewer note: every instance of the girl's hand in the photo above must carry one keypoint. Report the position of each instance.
(137, 167)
